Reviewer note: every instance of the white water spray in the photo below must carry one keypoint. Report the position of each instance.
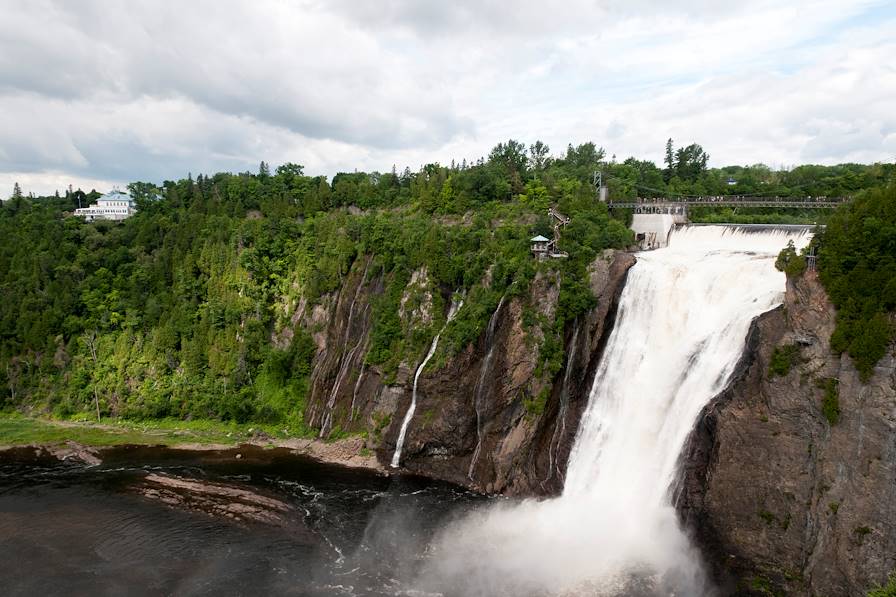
(680, 329)
(396, 456)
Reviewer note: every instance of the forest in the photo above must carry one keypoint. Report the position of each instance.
(172, 312)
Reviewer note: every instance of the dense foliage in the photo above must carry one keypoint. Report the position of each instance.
(857, 265)
(180, 310)
(686, 174)
(172, 312)
(790, 261)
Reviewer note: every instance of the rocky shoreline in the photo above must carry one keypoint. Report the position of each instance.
(349, 452)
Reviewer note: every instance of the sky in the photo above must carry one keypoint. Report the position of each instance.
(100, 93)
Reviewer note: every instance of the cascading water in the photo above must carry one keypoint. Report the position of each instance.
(343, 369)
(456, 304)
(346, 358)
(351, 413)
(481, 384)
(560, 423)
(680, 329)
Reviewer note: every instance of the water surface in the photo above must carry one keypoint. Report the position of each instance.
(71, 529)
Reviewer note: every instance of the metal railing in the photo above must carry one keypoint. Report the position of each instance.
(734, 201)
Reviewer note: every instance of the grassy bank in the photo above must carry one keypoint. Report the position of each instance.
(18, 430)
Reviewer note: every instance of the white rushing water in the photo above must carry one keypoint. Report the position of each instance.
(680, 329)
(456, 304)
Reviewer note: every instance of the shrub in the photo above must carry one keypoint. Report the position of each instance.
(783, 359)
(888, 590)
(830, 401)
(790, 262)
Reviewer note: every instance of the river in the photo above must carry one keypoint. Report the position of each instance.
(71, 529)
(158, 522)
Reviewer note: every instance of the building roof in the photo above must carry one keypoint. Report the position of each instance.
(540, 239)
(115, 195)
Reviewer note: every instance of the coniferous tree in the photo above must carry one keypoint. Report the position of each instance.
(539, 155)
(669, 160)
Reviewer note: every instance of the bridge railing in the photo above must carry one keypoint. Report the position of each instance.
(734, 201)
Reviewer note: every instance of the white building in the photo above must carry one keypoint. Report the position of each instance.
(115, 205)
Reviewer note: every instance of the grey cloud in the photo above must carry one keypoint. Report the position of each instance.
(320, 82)
(532, 19)
(119, 91)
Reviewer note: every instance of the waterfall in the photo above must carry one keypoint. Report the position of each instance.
(346, 361)
(680, 330)
(456, 304)
(331, 404)
(480, 385)
(351, 414)
(560, 423)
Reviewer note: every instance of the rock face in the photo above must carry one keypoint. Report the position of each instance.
(216, 499)
(492, 395)
(782, 500)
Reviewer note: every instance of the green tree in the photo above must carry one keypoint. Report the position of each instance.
(690, 162)
(538, 156)
(669, 160)
(857, 265)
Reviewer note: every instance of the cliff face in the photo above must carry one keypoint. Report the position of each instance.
(492, 395)
(780, 498)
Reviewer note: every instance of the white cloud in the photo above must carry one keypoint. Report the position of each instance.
(114, 92)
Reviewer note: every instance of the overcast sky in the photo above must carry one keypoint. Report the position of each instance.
(103, 93)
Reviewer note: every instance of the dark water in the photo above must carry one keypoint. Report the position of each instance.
(69, 529)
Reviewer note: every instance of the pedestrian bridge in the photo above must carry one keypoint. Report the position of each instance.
(655, 218)
(676, 206)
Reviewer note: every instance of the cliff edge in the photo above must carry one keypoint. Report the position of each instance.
(789, 478)
(492, 416)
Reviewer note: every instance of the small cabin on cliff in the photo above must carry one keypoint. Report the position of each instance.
(540, 246)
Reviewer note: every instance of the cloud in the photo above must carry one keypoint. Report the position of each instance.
(308, 73)
(152, 90)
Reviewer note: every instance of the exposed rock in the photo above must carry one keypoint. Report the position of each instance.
(442, 438)
(514, 458)
(71, 450)
(415, 308)
(216, 499)
(779, 498)
(350, 451)
(259, 436)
